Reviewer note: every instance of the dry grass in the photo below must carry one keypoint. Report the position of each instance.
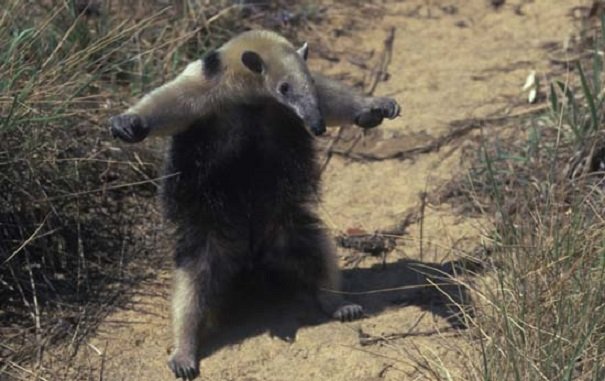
(75, 207)
(541, 310)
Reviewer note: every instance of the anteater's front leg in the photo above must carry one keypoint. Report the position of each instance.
(173, 107)
(168, 109)
(342, 105)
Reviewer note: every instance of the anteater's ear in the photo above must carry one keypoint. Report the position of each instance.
(253, 61)
(303, 51)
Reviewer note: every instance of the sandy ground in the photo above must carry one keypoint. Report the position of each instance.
(452, 61)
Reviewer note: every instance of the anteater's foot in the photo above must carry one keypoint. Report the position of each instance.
(339, 308)
(348, 312)
(130, 128)
(378, 109)
(184, 365)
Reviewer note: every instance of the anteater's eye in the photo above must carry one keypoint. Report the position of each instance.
(284, 88)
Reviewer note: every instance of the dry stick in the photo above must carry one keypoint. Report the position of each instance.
(103, 358)
(385, 60)
(569, 60)
(440, 141)
(330, 150)
(384, 290)
(27, 241)
(379, 75)
(423, 196)
(371, 339)
(394, 336)
(399, 360)
(104, 189)
(180, 41)
(411, 216)
(36, 317)
(19, 367)
(60, 44)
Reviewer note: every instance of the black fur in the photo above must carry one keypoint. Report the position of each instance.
(240, 201)
(253, 61)
(240, 189)
(212, 64)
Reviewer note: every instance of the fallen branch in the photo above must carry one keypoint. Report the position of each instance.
(379, 75)
(460, 128)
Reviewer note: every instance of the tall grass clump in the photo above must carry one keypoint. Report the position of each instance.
(71, 200)
(542, 308)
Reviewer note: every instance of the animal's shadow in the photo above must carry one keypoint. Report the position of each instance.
(257, 305)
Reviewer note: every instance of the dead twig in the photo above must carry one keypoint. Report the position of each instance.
(385, 61)
(27, 241)
(330, 150)
(422, 196)
(365, 341)
(459, 129)
(380, 73)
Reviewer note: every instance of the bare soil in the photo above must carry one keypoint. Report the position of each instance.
(455, 67)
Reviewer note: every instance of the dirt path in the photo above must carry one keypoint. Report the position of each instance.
(452, 61)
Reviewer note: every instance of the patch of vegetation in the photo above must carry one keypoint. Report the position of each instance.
(76, 209)
(541, 312)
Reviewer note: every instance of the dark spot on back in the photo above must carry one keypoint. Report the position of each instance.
(212, 64)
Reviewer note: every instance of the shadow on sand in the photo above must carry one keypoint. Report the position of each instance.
(259, 307)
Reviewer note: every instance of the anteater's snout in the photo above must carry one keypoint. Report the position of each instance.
(318, 127)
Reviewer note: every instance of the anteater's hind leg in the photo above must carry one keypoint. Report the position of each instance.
(307, 253)
(331, 301)
(202, 273)
(188, 315)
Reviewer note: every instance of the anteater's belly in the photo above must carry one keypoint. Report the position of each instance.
(252, 166)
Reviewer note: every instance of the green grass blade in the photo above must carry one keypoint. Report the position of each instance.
(603, 26)
(589, 98)
(571, 102)
(11, 111)
(597, 68)
(554, 101)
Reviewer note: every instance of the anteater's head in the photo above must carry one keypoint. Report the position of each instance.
(281, 71)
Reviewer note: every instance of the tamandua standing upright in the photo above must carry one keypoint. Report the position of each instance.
(242, 121)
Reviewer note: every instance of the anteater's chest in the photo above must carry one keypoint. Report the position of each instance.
(252, 162)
